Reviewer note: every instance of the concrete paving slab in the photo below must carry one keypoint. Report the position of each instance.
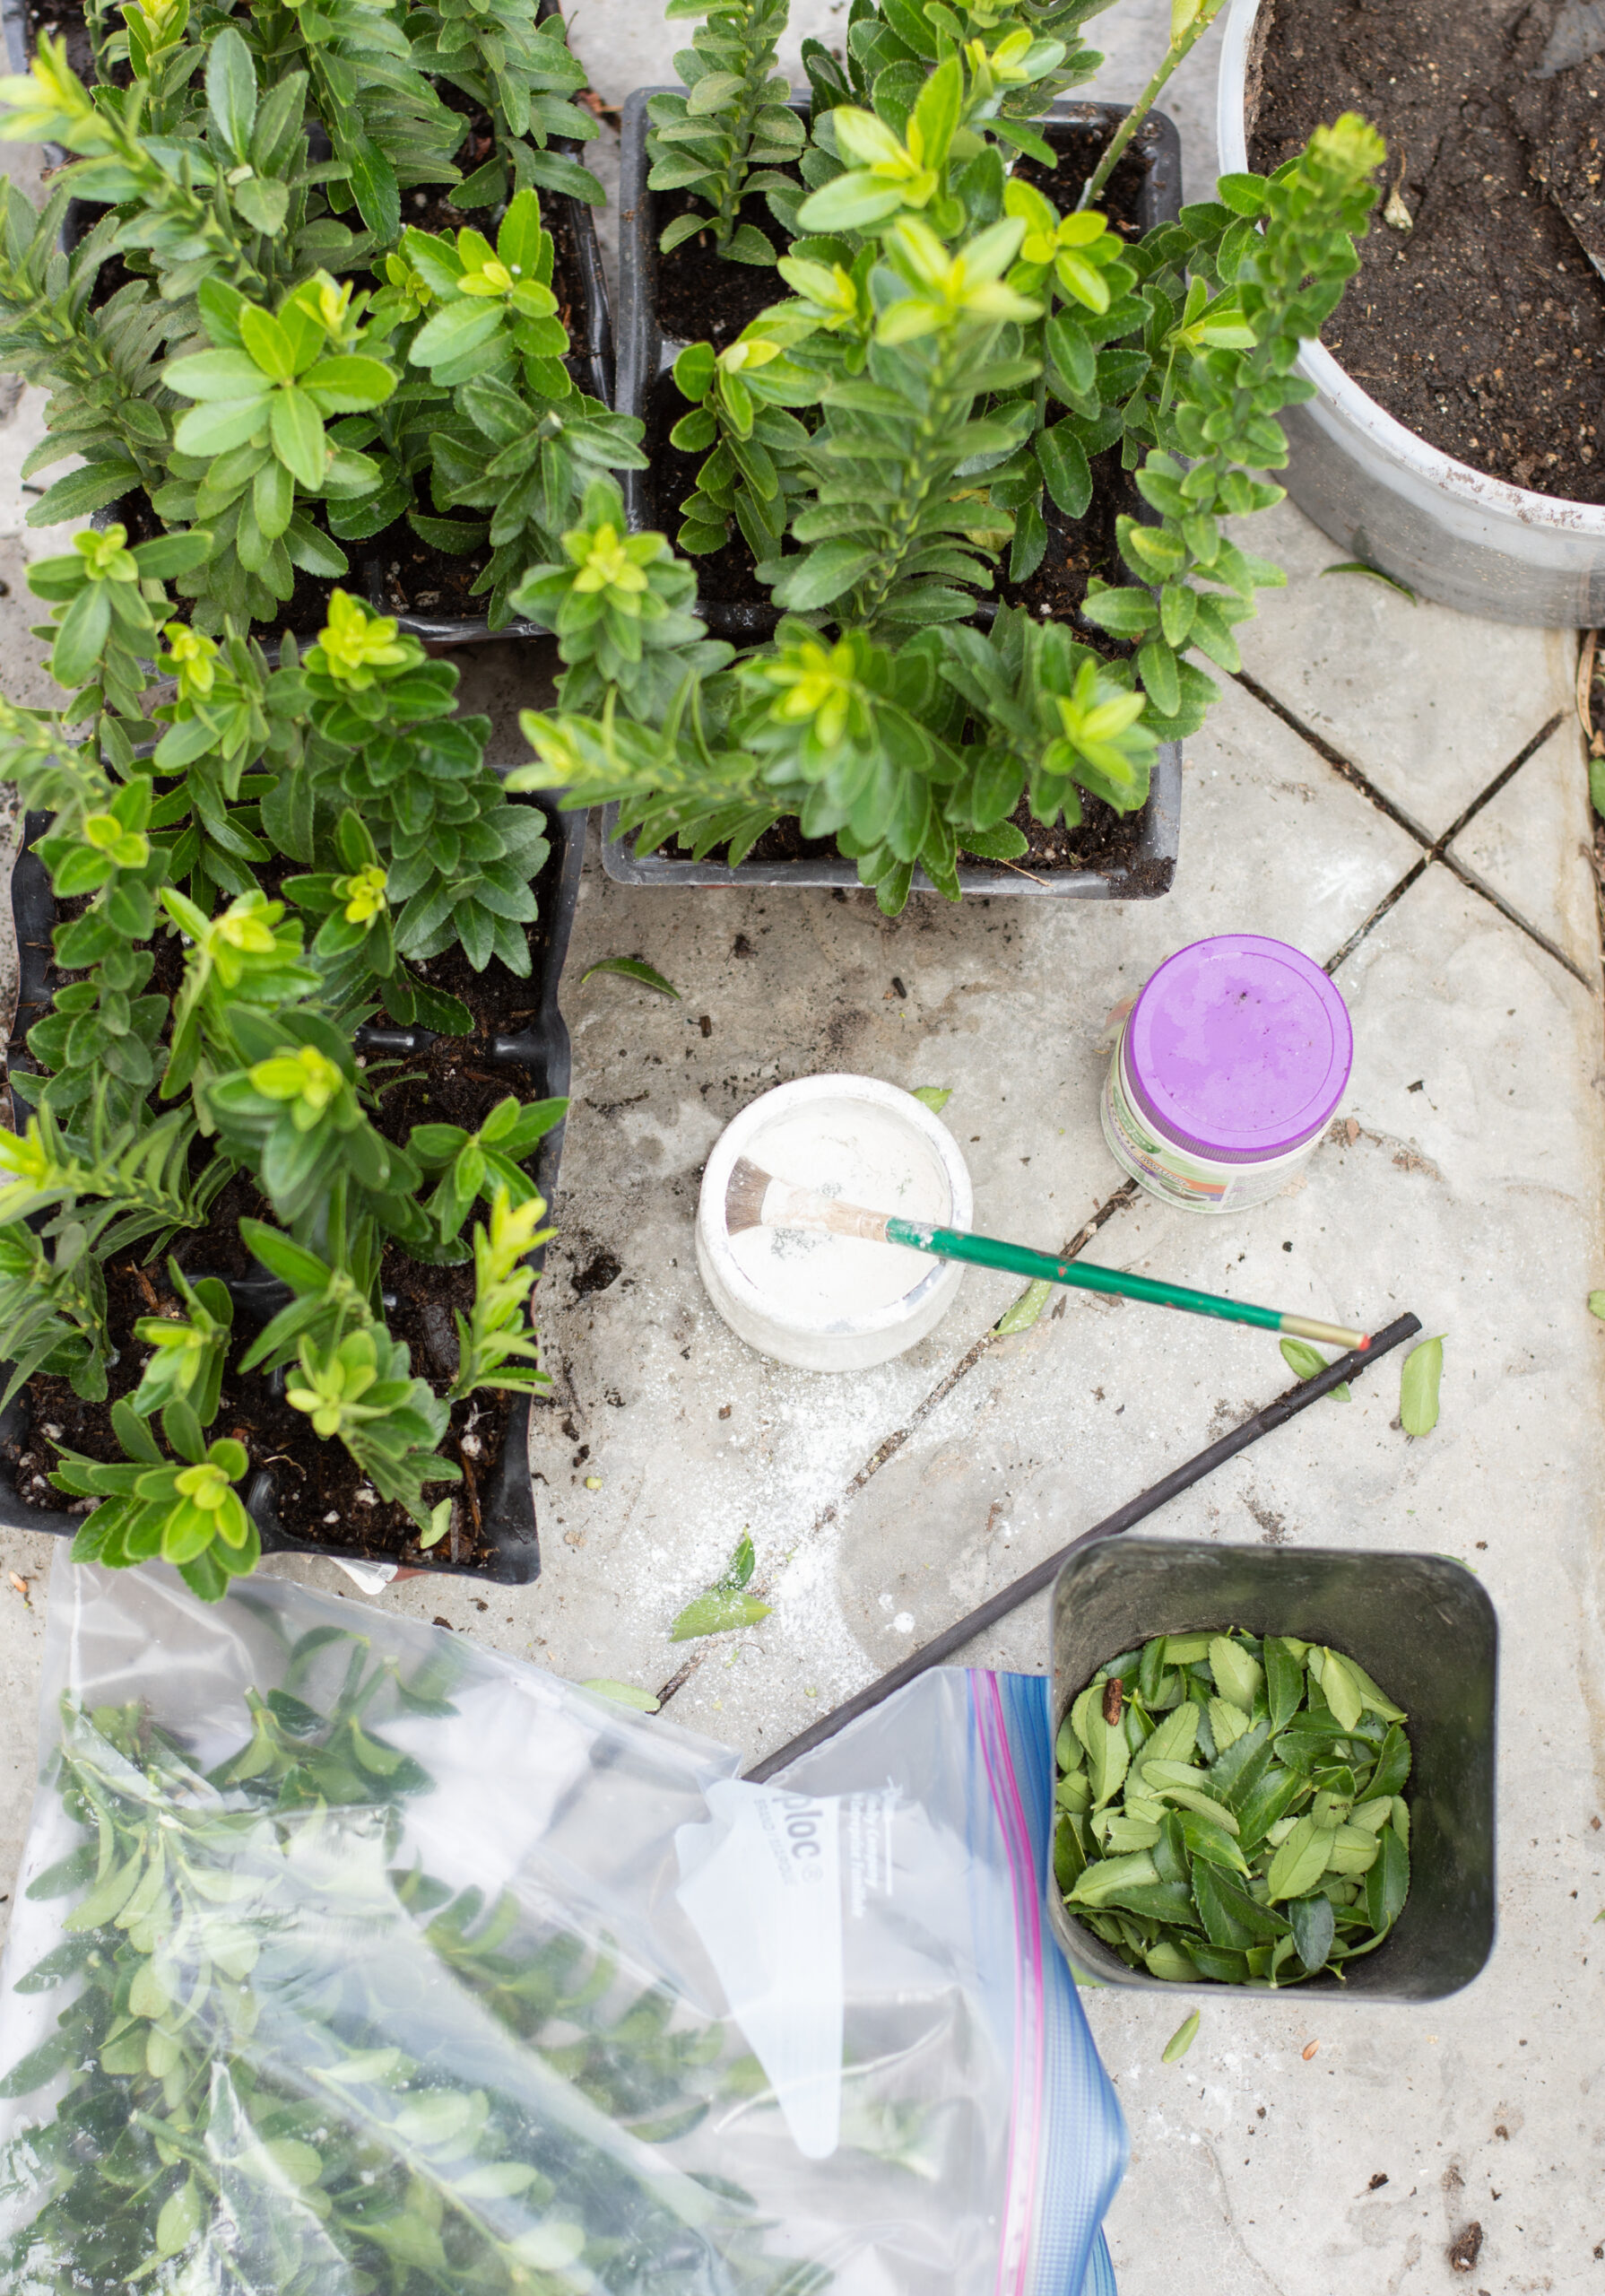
(1533, 846)
(1474, 1202)
(1428, 703)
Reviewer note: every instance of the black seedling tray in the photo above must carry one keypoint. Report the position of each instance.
(537, 1055)
(645, 353)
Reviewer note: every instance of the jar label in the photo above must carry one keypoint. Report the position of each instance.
(1173, 1173)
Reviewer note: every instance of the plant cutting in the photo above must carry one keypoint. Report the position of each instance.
(1231, 1807)
(1452, 441)
(344, 1960)
(244, 338)
(902, 455)
(243, 879)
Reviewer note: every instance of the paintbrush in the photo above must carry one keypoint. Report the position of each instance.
(756, 1199)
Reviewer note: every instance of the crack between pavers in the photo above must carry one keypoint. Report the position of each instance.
(894, 1442)
(1344, 765)
(1434, 849)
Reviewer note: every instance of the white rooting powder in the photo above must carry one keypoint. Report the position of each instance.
(867, 1156)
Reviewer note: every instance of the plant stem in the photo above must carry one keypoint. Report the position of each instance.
(927, 462)
(1180, 46)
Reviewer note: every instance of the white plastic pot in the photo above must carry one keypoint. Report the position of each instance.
(1453, 534)
(853, 1303)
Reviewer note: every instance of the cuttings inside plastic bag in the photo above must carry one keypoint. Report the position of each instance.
(295, 2061)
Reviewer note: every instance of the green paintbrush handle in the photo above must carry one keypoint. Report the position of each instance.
(987, 1252)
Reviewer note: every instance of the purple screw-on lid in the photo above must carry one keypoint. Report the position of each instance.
(1238, 1048)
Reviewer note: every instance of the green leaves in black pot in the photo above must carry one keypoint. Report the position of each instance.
(1230, 1808)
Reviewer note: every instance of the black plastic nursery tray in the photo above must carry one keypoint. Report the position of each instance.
(590, 361)
(535, 1054)
(1419, 1625)
(647, 351)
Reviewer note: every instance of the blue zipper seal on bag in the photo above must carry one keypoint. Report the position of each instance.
(1058, 2170)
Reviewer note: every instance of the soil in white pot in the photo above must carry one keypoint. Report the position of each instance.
(1482, 326)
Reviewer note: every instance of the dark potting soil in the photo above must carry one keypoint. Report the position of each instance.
(448, 1081)
(1482, 328)
(65, 22)
(1104, 840)
(313, 1480)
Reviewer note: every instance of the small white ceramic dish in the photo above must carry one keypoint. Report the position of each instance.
(835, 1303)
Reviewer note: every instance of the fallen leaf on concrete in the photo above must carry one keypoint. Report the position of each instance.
(1311, 2051)
(1181, 2040)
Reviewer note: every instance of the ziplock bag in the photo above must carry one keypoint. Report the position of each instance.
(350, 1956)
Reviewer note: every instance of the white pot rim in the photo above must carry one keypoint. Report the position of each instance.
(1477, 489)
(733, 1142)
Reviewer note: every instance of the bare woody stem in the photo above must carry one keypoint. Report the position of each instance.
(1182, 44)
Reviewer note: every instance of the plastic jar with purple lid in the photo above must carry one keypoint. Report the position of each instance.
(1230, 1066)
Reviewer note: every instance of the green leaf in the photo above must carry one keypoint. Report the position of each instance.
(1108, 1755)
(740, 1567)
(1387, 1883)
(1358, 566)
(719, 1611)
(1109, 1875)
(622, 1694)
(1284, 1682)
(1065, 469)
(1173, 1739)
(1596, 1304)
(1305, 1363)
(1315, 1923)
(1026, 1309)
(73, 1872)
(1341, 1691)
(1301, 1861)
(298, 435)
(632, 969)
(1419, 1386)
(231, 92)
(1239, 1674)
(1181, 2040)
(935, 1097)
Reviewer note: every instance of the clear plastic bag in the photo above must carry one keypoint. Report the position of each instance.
(350, 1956)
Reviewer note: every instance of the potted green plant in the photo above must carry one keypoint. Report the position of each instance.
(1452, 439)
(974, 398)
(266, 1238)
(259, 307)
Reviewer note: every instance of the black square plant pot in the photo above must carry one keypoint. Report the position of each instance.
(646, 352)
(590, 358)
(536, 1056)
(1420, 1625)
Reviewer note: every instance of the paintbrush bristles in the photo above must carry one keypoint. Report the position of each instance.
(756, 1199)
(744, 1198)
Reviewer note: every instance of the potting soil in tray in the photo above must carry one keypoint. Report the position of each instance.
(320, 1496)
(1482, 328)
(318, 1492)
(703, 298)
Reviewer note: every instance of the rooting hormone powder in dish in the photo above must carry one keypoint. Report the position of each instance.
(834, 1303)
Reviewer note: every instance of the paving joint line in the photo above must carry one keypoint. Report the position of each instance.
(894, 1442)
(1344, 765)
(1433, 848)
